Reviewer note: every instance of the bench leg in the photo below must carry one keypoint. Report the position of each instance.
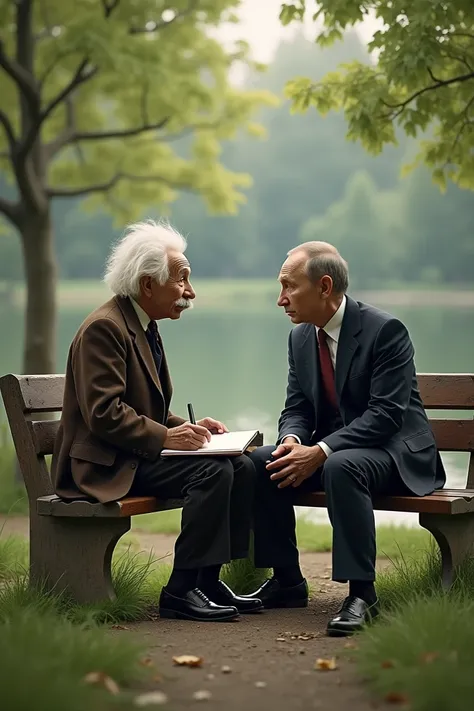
(75, 555)
(455, 538)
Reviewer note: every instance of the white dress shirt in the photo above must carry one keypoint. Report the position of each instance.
(142, 315)
(333, 331)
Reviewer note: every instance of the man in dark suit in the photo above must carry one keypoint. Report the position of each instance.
(116, 421)
(353, 425)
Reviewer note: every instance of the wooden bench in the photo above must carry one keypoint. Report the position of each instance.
(71, 543)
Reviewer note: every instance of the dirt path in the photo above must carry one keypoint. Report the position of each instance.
(268, 669)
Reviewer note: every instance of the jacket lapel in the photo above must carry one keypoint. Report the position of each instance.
(141, 344)
(348, 343)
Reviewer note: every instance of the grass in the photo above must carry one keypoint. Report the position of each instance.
(13, 556)
(13, 498)
(392, 541)
(48, 644)
(421, 651)
(45, 659)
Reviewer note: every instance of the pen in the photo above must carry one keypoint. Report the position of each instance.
(192, 419)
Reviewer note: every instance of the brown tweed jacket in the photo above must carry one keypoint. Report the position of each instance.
(115, 408)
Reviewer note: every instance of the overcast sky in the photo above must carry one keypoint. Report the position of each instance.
(261, 28)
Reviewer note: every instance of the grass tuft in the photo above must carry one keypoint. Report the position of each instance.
(45, 659)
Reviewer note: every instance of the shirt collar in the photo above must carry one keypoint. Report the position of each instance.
(142, 315)
(333, 326)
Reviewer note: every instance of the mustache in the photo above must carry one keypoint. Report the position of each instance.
(184, 303)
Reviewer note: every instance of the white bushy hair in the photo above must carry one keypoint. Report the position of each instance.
(141, 251)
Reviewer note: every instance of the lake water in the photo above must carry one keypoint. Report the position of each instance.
(231, 364)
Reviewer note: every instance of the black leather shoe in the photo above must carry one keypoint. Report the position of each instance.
(194, 605)
(353, 615)
(221, 594)
(273, 595)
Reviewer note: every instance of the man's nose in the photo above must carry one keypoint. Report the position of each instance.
(189, 292)
(282, 300)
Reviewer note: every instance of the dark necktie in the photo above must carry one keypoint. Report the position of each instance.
(327, 370)
(152, 338)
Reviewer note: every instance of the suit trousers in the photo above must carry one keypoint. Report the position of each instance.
(218, 495)
(350, 479)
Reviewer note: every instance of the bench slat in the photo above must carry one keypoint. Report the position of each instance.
(44, 432)
(435, 503)
(451, 501)
(447, 391)
(41, 393)
(453, 435)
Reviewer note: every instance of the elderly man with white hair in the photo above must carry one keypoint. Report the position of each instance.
(116, 421)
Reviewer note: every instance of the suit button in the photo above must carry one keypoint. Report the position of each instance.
(134, 465)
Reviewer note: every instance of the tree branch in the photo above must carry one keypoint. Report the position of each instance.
(8, 128)
(109, 7)
(23, 79)
(431, 87)
(79, 78)
(108, 185)
(160, 25)
(11, 210)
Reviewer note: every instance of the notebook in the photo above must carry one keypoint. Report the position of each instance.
(228, 443)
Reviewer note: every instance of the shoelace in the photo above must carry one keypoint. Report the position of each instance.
(199, 593)
(349, 606)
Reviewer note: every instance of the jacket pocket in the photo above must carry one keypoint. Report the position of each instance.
(89, 453)
(420, 441)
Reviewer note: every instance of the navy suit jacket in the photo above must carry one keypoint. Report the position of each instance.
(377, 391)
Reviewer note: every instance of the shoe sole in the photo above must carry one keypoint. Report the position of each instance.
(256, 611)
(173, 615)
(286, 605)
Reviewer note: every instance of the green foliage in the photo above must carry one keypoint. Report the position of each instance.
(146, 75)
(422, 79)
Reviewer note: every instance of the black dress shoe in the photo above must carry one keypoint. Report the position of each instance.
(221, 594)
(194, 605)
(273, 595)
(352, 616)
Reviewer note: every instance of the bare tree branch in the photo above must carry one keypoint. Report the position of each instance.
(163, 23)
(437, 85)
(109, 184)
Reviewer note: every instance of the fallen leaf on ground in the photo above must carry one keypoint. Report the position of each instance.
(387, 664)
(120, 627)
(326, 664)
(351, 645)
(260, 684)
(226, 670)
(429, 657)
(101, 679)
(146, 662)
(280, 639)
(151, 698)
(210, 676)
(305, 637)
(202, 695)
(188, 660)
(395, 697)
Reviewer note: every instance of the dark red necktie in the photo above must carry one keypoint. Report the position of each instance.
(327, 370)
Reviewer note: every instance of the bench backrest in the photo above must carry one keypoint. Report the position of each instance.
(27, 397)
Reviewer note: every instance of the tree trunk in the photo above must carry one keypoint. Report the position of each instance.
(41, 278)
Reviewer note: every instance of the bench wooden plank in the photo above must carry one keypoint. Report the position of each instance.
(410, 504)
(453, 435)
(131, 506)
(41, 393)
(44, 433)
(447, 391)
